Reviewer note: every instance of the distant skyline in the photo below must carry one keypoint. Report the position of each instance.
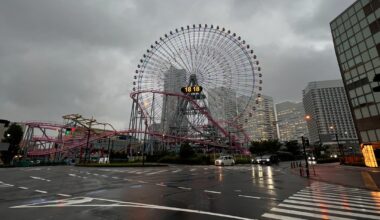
(71, 56)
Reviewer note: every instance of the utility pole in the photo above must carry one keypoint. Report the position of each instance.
(304, 152)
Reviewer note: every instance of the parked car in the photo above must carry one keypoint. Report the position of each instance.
(267, 159)
(225, 161)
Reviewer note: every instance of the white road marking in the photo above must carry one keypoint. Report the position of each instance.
(314, 215)
(330, 195)
(71, 174)
(160, 184)
(237, 190)
(323, 205)
(192, 170)
(331, 201)
(176, 171)
(39, 178)
(209, 191)
(251, 197)
(104, 176)
(160, 171)
(127, 179)
(140, 181)
(185, 188)
(64, 195)
(6, 184)
(115, 177)
(23, 187)
(95, 174)
(79, 202)
(40, 191)
(274, 216)
(366, 216)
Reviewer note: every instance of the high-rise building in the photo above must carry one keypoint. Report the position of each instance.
(174, 80)
(356, 35)
(222, 103)
(259, 121)
(291, 121)
(330, 121)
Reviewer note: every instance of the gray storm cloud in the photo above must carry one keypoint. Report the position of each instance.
(71, 56)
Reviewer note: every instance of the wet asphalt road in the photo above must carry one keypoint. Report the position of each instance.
(173, 192)
(242, 191)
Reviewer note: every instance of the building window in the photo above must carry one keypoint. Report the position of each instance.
(364, 136)
(372, 135)
(358, 114)
(373, 110)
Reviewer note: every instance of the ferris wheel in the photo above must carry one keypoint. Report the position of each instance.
(210, 67)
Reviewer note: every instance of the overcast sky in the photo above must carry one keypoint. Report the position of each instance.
(73, 56)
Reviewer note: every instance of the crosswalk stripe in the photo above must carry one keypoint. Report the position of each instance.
(340, 195)
(322, 189)
(341, 189)
(282, 217)
(351, 214)
(324, 201)
(324, 198)
(308, 214)
(324, 205)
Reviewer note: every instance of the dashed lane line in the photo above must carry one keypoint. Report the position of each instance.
(23, 187)
(214, 192)
(250, 197)
(185, 188)
(39, 178)
(64, 195)
(176, 171)
(40, 191)
(161, 171)
(160, 184)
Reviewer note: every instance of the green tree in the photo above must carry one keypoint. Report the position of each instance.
(265, 146)
(13, 136)
(293, 147)
(186, 151)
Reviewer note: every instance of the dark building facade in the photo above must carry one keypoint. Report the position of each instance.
(356, 36)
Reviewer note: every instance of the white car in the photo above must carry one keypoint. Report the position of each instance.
(225, 161)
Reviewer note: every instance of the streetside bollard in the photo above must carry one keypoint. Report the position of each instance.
(314, 170)
(301, 172)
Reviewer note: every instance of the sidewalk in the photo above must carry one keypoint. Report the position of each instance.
(351, 176)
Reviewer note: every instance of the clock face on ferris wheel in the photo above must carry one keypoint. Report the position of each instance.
(227, 72)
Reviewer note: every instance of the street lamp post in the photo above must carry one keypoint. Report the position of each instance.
(337, 142)
(304, 153)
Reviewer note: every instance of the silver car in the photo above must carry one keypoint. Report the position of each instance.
(225, 161)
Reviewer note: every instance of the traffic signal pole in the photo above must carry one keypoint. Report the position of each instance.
(304, 152)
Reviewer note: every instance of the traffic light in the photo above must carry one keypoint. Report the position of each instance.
(376, 79)
(68, 131)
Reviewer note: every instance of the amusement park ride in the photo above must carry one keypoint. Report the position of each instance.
(197, 84)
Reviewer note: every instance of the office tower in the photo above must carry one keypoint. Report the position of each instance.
(356, 36)
(291, 121)
(330, 119)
